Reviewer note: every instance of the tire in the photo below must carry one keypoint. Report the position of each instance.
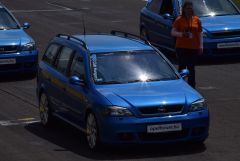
(92, 133)
(46, 116)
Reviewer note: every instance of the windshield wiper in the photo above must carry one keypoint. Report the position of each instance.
(151, 80)
(110, 82)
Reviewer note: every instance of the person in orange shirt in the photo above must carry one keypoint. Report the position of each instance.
(187, 29)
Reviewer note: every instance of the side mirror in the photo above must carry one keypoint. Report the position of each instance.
(184, 73)
(168, 16)
(26, 25)
(75, 80)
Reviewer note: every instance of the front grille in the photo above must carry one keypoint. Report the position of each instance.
(8, 49)
(166, 109)
(10, 67)
(227, 51)
(226, 33)
(164, 136)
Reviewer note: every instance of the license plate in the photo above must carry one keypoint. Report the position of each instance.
(7, 61)
(164, 128)
(228, 45)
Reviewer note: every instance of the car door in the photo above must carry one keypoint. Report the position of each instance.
(164, 24)
(77, 94)
(46, 71)
(59, 80)
(149, 16)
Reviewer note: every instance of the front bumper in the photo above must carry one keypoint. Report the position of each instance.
(221, 47)
(128, 130)
(23, 62)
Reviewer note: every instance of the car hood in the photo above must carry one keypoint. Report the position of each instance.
(149, 94)
(14, 37)
(221, 23)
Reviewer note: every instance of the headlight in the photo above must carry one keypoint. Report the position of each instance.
(28, 47)
(198, 105)
(204, 35)
(116, 111)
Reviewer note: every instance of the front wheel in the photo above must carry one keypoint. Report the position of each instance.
(92, 132)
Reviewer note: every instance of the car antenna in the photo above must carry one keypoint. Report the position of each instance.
(84, 30)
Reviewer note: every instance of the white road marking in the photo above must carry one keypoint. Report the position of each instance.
(63, 8)
(23, 121)
(208, 88)
(60, 6)
(28, 11)
(117, 21)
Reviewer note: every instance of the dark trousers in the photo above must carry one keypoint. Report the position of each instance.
(187, 59)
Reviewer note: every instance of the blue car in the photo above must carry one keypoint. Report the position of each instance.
(220, 20)
(118, 89)
(18, 51)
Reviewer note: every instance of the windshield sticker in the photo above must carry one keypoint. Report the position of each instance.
(94, 65)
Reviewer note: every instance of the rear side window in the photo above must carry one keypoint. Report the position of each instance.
(51, 53)
(154, 6)
(63, 59)
(77, 68)
(166, 7)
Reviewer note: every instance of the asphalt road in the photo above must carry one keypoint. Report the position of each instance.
(22, 138)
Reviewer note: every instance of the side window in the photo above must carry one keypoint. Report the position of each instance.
(154, 6)
(51, 53)
(77, 67)
(63, 59)
(167, 7)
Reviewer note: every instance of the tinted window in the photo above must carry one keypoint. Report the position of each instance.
(51, 53)
(212, 8)
(154, 5)
(63, 59)
(127, 67)
(7, 21)
(77, 67)
(166, 7)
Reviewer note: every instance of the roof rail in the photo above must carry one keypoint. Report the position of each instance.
(125, 34)
(69, 37)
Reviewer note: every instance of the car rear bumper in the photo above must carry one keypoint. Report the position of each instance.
(24, 62)
(195, 127)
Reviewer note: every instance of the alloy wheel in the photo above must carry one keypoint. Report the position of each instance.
(92, 131)
(44, 110)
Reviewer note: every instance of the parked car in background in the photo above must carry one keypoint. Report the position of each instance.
(18, 51)
(118, 89)
(220, 20)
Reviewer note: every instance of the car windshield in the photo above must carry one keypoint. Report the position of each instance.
(213, 7)
(129, 67)
(6, 20)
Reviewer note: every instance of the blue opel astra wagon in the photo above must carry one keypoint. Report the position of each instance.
(118, 89)
(18, 51)
(220, 20)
